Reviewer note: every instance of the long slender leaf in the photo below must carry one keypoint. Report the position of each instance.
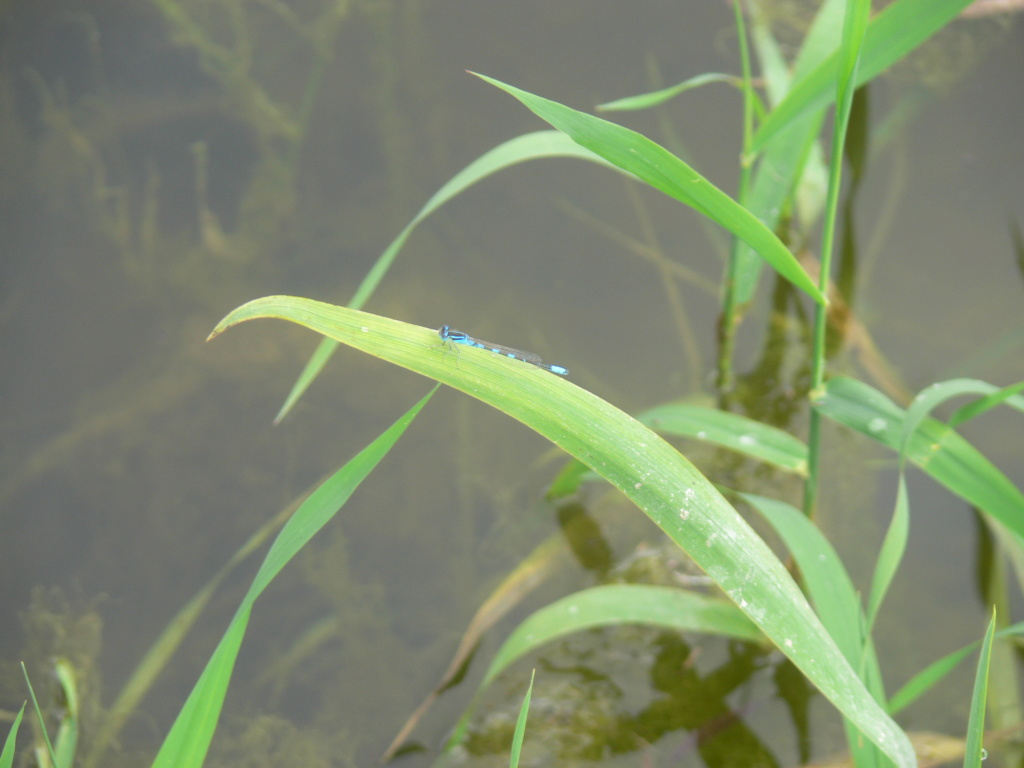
(638, 155)
(927, 679)
(164, 647)
(656, 477)
(891, 35)
(938, 670)
(833, 595)
(653, 99)
(934, 447)
(791, 163)
(934, 395)
(7, 756)
(189, 739)
(520, 732)
(617, 604)
(730, 430)
(854, 26)
(831, 591)
(974, 751)
(992, 398)
(42, 756)
(891, 555)
(609, 606)
(791, 156)
(530, 146)
(526, 576)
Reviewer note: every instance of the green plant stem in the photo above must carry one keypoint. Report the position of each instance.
(853, 35)
(728, 322)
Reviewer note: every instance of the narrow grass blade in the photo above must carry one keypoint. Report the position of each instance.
(527, 576)
(655, 165)
(992, 397)
(975, 752)
(854, 26)
(655, 98)
(939, 670)
(642, 465)
(48, 755)
(614, 604)
(162, 650)
(828, 584)
(569, 480)
(609, 606)
(934, 447)
(730, 430)
(891, 555)
(854, 22)
(323, 353)
(927, 679)
(822, 40)
(936, 394)
(790, 164)
(530, 146)
(520, 732)
(189, 739)
(897, 30)
(836, 601)
(7, 756)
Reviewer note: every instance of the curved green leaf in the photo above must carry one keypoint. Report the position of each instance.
(934, 395)
(974, 752)
(654, 98)
(934, 447)
(939, 670)
(189, 738)
(730, 430)
(652, 163)
(828, 584)
(616, 604)
(991, 398)
(520, 732)
(834, 596)
(7, 755)
(656, 477)
(530, 146)
(894, 546)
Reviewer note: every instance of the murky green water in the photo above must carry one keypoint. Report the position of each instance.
(144, 197)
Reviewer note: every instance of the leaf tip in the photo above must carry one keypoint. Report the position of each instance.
(222, 326)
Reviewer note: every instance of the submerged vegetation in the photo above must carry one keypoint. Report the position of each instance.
(768, 585)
